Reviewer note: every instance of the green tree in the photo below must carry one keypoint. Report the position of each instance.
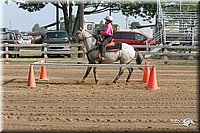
(185, 7)
(133, 8)
(36, 27)
(134, 25)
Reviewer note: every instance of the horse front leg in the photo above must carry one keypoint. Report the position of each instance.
(121, 71)
(95, 74)
(86, 74)
(130, 70)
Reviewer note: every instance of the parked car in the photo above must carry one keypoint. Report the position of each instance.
(19, 38)
(27, 39)
(133, 38)
(57, 37)
(4, 29)
(9, 38)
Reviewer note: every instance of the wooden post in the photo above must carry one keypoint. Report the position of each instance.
(147, 44)
(6, 50)
(45, 50)
(80, 55)
(165, 57)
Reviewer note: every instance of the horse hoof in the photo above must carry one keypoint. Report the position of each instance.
(83, 81)
(114, 82)
(141, 69)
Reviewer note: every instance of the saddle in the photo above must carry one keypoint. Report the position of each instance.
(113, 46)
(110, 47)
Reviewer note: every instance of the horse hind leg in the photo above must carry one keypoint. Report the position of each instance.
(121, 71)
(86, 74)
(129, 74)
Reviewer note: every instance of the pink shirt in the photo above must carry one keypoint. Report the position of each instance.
(108, 31)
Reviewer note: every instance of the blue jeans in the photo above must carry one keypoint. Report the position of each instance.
(103, 45)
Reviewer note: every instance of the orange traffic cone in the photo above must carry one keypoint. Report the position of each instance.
(146, 73)
(31, 78)
(43, 75)
(152, 84)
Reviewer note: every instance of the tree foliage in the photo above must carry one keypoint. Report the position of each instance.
(186, 7)
(132, 8)
(31, 7)
(144, 10)
(134, 25)
(36, 27)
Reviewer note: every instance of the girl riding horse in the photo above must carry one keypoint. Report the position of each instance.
(108, 35)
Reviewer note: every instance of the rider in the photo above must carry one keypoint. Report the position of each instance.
(108, 34)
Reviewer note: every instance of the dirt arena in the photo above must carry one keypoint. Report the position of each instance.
(63, 103)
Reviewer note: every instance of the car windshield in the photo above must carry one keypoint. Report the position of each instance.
(139, 37)
(124, 36)
(56, 35)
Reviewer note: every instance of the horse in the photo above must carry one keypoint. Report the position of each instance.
(125, 55)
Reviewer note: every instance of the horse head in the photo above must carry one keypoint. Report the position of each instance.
(82, 35)
(78, 37)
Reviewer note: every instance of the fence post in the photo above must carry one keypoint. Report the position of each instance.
(147, 44)
(80, 55)
(165, 57)
(45, 50)
(6, 50)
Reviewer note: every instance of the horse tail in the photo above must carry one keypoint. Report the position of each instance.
(139, 57)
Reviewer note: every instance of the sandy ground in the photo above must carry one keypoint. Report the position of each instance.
(64, 104)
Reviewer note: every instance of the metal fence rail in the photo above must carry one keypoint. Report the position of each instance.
(62, 63)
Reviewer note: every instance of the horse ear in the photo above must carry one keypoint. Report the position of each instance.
(80, 28)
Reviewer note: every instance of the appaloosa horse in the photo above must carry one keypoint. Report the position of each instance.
(125, 55)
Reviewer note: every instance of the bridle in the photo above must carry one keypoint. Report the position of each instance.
(85, 38)
(92, 35)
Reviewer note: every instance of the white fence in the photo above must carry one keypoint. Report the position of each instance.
(76, 49)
